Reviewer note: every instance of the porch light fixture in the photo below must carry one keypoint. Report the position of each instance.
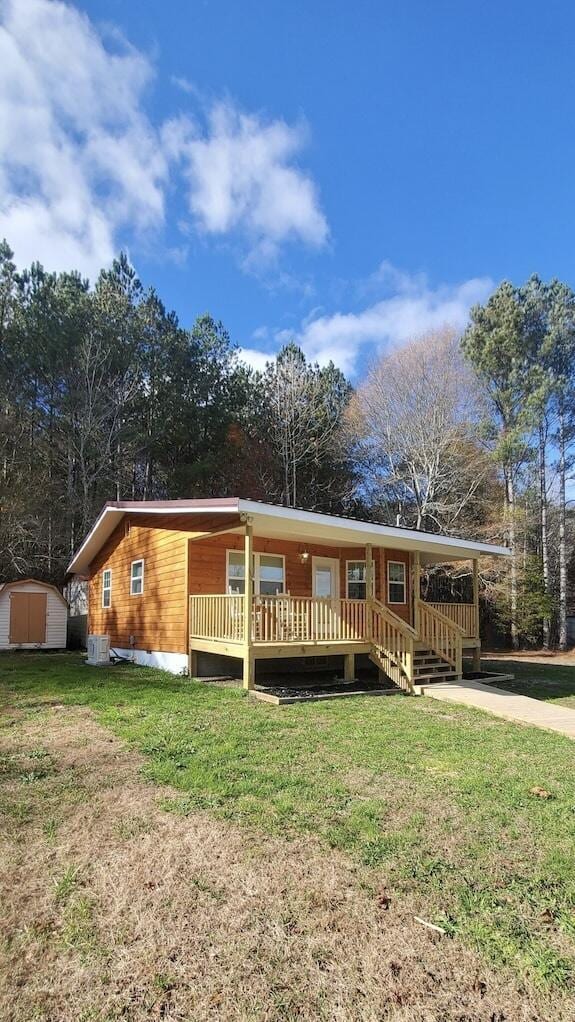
(304, 556)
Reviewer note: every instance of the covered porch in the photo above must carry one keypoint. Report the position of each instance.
(365, 600)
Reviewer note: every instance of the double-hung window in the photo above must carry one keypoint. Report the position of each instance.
(107, 588)
(269, 573)
(137, 578)
(356, 580)
(396, 585)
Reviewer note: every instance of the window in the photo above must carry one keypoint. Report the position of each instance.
(137, 578)
(107, 588)
(396, 582)
(269, 573)
(236, 580)
(356, 580)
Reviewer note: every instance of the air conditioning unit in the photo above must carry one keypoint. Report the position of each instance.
(98, 650)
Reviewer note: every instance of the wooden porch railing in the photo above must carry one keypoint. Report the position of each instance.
(307, 618)
(441, 634)
(462, 614)
(278, 619)
(287, 619)
(217, 617)
(393, 641)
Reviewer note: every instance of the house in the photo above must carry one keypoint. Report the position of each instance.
(33, 615)
(178, 583)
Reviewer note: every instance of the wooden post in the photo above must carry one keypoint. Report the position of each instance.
(476, 649)
(349, 667)
(369, 588)
(416, 589)
(248, 606)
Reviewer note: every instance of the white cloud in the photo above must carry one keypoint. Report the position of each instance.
(83, 168)
(78, 157)
(255, 359)
(410, 308)
(242, 177)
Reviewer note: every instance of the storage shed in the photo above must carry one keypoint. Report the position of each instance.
(33, 615)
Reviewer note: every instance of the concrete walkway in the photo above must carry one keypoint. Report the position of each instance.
(505, 704)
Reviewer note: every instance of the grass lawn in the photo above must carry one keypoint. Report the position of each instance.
(431, 803)
(550, 682)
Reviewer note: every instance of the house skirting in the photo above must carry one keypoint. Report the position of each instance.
(175, 663)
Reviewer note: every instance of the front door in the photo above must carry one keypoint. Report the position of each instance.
(325, 572)
(325, 576)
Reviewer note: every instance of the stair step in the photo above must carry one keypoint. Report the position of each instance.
(447, 676)
(433, 669)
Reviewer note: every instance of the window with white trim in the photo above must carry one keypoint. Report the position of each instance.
(107, 588)
(137, 578)
(235, 574)
(269, 573)
(396, 587)
(356, 580)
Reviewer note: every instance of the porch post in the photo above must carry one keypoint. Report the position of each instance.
(416, 589)
(369, 588)
(248, 605)
(476, 649)
(349, 667)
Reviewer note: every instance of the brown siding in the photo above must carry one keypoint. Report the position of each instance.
(207, 562)
(157, 618)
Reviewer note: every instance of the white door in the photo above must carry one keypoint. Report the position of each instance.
(325, 572)
(325, 580)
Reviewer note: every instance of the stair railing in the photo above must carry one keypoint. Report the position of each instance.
(393, 641)
(441, 634)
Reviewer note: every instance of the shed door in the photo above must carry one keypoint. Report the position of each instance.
(27, 617)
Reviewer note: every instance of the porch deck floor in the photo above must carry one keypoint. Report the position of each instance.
(509, 705)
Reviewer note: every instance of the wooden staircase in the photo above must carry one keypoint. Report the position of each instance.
(413, 659)
(429, 667)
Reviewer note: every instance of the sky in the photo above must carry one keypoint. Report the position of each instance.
(346, 175)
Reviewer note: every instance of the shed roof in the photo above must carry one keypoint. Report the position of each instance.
(37, 582)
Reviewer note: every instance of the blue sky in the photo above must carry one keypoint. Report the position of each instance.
(344, 174)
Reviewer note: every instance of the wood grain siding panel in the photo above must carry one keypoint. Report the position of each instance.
(158, 617)
(207, 562)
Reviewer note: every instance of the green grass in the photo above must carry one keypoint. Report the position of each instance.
(550, 682)
(436, 799)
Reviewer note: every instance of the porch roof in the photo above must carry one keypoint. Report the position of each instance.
(276, 522)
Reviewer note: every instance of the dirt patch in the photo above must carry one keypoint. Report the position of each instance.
(116, 909)
(549, 657)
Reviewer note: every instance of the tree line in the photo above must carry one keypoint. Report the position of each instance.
(104, 395)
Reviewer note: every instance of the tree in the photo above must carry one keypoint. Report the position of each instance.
(561, 360)
(415, 422)
(302, 408)
(494, 346)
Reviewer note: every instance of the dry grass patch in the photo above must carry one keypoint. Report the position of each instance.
(116, 909)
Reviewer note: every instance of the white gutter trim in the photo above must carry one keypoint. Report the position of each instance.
(121, 511)
(334, 521)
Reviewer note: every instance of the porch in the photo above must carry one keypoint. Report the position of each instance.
(419, 643)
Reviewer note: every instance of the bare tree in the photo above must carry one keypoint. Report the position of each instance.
(415, 419)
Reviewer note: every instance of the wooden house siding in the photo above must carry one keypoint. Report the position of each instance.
(158, 617)
(207, 565)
